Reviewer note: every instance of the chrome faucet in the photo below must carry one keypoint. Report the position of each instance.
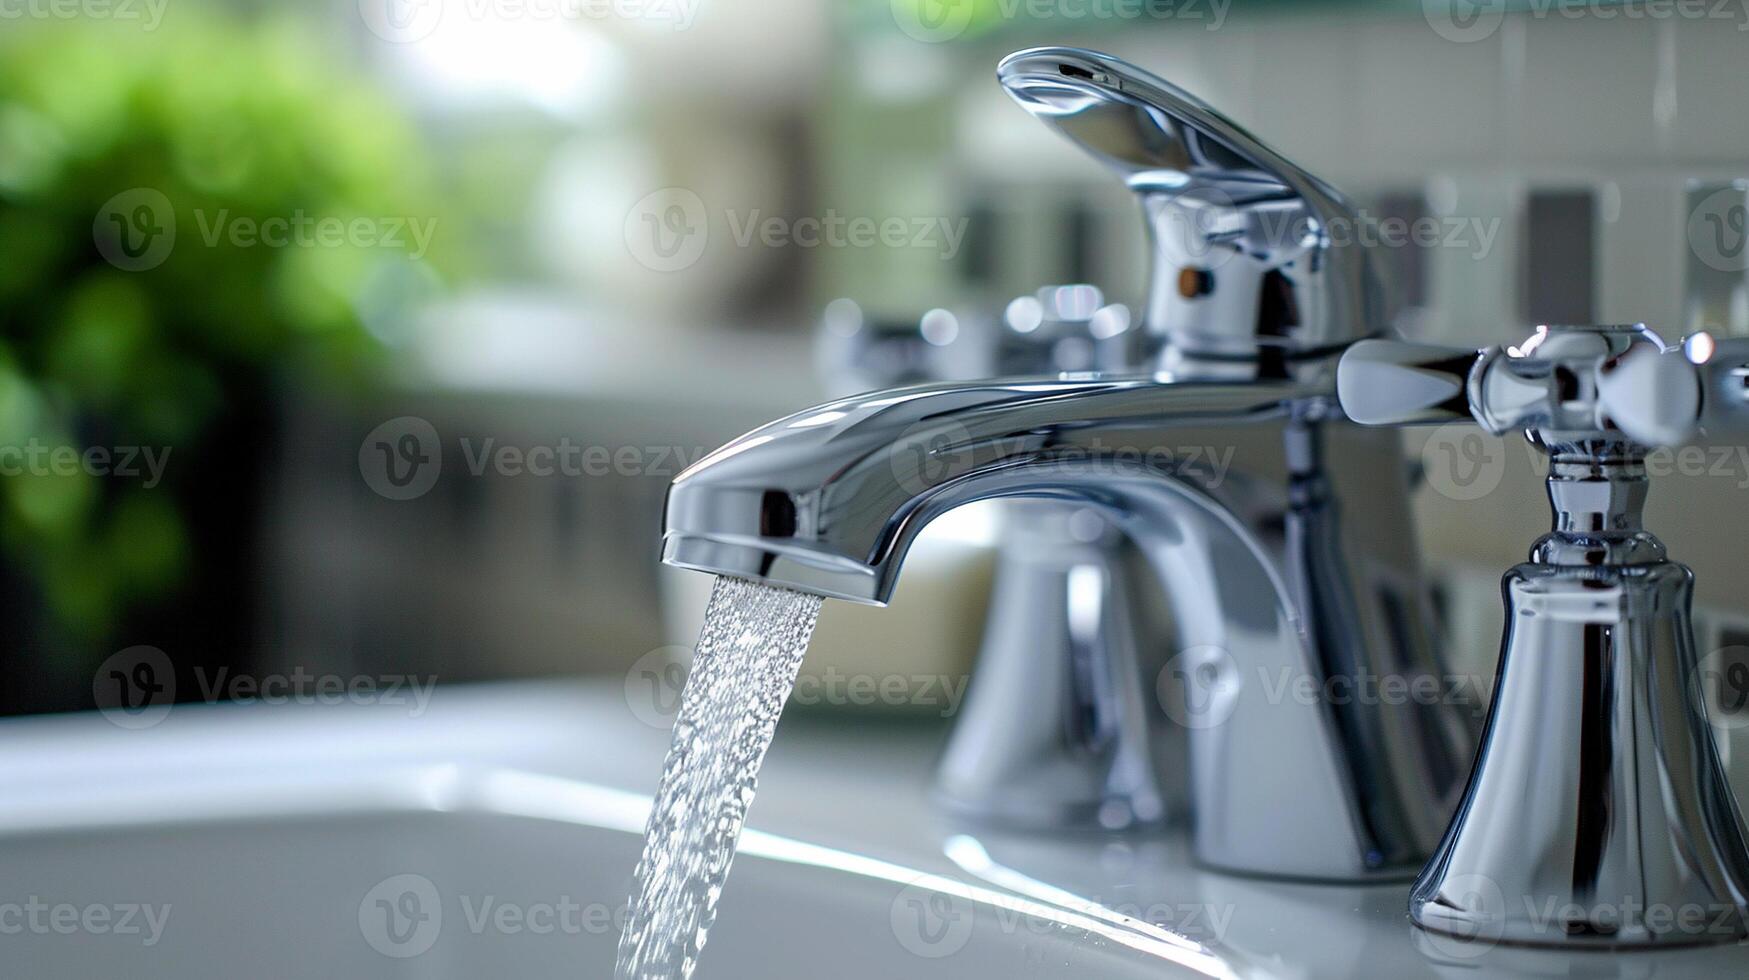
(1598, 814)
(1293, 579)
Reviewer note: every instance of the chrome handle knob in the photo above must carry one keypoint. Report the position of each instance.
(1569, 384)
(1249, 251)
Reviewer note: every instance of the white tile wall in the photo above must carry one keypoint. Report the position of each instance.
(1641, 253)
(1423, 103)
(1473, 286)
(1306, 98)
(1712, 91)
(1587, 90)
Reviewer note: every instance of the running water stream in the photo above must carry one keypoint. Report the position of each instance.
(742, 672)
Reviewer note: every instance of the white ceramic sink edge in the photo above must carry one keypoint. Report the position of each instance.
(310, 841)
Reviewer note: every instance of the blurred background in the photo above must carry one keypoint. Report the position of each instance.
(363, 336)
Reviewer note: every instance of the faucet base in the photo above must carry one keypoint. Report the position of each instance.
(1598, 814)
(1052, 737)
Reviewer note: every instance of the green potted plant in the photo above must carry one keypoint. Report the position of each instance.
(184, 218)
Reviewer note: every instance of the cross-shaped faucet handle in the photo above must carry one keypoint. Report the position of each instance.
(1565, 385)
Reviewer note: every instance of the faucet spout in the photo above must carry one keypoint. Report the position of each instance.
(829, 500)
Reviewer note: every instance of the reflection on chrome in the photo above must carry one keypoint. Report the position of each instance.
(1298, 565)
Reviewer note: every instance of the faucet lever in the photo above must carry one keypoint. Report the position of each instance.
(1388, 382)
(1252, 255)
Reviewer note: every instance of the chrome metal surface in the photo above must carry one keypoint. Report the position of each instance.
(1273, 592)
(1286, 609)
(1062, 728)
(1252, 257)
(1066, 628)
(1598, 813)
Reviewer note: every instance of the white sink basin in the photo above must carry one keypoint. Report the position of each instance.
(496, 834)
